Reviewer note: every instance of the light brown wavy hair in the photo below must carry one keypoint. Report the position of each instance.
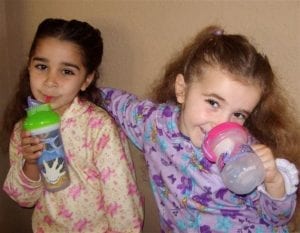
(272, 121)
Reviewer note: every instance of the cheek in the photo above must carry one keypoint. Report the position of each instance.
(35, 79)
(204, 111)
(70, 91)
(35, 87)
(33, 83)
(198, 115)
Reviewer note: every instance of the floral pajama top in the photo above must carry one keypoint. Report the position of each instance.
(188, 189)
(102, 196)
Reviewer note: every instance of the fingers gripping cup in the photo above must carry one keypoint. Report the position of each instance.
(227, 145)
(41, 121)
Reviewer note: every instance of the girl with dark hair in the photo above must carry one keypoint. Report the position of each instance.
(62, 70)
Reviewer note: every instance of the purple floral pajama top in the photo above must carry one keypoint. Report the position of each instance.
(188, 189)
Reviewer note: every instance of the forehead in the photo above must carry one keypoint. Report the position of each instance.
(55, 48)
(232, 88)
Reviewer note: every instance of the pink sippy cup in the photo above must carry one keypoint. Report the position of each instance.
(240, 168)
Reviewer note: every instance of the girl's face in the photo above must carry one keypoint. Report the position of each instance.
(216, 98)
(57, 73)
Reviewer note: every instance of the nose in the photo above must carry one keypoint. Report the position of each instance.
(51, 79)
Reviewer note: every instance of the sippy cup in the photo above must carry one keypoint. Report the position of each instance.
(240, 168)
(41, 121)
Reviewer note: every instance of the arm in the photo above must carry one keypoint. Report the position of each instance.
(31, 149)
(276, 211)
(121, 199)
(129, 112)
(278, 193)
(22, 189)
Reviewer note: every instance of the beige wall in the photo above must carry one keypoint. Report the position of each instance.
(139, 38)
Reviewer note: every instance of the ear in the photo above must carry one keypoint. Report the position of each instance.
(180, 88)
(87, 81)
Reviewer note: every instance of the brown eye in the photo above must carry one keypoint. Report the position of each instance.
(40, 66)
(67, 72)
(213, 103)
(240, 115)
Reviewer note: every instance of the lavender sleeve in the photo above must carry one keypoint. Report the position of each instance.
(129, 113)
(277, 212)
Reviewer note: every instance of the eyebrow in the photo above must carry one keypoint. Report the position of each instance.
(247, 112)
(215, 96)
(64, 63)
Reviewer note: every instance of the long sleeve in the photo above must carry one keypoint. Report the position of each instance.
(102, 196)
(277, 212)
(280, 211)
(128, 112)
(20, 188)
(188, 189)
(120, 199)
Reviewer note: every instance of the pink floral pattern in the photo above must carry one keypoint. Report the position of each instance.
(102, 196)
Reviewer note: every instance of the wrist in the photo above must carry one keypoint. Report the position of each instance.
(277, 188)
(30, 162)
(31, 169)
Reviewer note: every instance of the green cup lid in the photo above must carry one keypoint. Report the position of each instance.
(40, 116)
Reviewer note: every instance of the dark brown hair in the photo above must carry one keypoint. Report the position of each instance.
(86, 37)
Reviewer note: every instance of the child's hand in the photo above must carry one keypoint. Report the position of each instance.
(274, 182)
(31, 147)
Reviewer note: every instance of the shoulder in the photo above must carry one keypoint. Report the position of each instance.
(18, 128)
(167, 113)
(97, 115)
(19, 125)
(162, 117)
